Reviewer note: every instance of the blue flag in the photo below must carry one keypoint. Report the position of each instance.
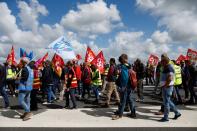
(23, 53)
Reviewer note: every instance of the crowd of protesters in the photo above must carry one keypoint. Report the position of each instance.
(84, 81)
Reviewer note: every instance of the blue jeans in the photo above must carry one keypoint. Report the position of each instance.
(50, 93)
(126, 96)
(96, 91)
(168, 104)
(4, 95)
(24, 100)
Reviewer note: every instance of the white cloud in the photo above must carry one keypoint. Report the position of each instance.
(161, 37)
(7, 21)
(92, 18)
(126, 42)
(178, 16)
(29, 14)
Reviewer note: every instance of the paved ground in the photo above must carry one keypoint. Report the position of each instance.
(88, 115)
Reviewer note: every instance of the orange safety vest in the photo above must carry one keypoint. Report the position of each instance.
(36, 82)
(74, 80)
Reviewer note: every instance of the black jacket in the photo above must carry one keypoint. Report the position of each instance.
(47, 76)
(2, 76)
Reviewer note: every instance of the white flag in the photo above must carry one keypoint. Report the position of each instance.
(63, 48)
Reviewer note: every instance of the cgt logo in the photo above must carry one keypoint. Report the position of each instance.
(192, 56)
(100, 63)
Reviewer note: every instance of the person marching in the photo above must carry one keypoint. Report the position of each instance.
(177, 82)
(3, 85)
(125, 89)
(25, 86)
(71, 84)
(86, 80)
(96, 82)
(111, 85)
(167, 83)
(36, 87)
(47, 81)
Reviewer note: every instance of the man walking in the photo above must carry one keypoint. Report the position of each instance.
(125, 88)
(2, 86)
(111, 85)
(167, 82)
(25, 86)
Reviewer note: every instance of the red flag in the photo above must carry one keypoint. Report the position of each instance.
(58, 63)
(153, 60)
(99, 62)
(11, 57)
(78, 56)
(89, 55)
(192, 54)
(181, 58)
(39, 62)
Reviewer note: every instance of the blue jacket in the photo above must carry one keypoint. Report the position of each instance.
(26, 84)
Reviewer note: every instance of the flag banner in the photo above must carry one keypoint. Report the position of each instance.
(192, 54)
(78, 56)
(11, 57)
(181, 58)
(63, 48)
(99, 62)
(153, 60)
(89, 55)
(58, 63)
(39, 62)
(23, 53)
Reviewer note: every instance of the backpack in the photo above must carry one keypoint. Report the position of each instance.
(133, 79)
(123, 77)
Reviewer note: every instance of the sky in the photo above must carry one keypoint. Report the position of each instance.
(135, 27)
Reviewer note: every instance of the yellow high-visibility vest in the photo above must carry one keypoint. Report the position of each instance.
(98, 81)
(178, 76)
(10, 73)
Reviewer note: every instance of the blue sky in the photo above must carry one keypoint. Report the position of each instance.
(133, 18)
(135, 27)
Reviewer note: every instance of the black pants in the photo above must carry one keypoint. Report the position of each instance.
(33, 101)
(70, 93)
(193, 97)
(11, 86)
(186, 89)
(177, 94)
(86, 87)
(79, 87)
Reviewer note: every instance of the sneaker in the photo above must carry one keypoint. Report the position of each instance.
(66, 107)
(7, 107)
(137, 100)
(177, 116)
(106, 105)
(132, 115)
(46, 103)
(159, 113)
(27, 116)
(141, 100)
(23, 115)
(74, 107)
(116, 112)
(116, 117)
(163, 120)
